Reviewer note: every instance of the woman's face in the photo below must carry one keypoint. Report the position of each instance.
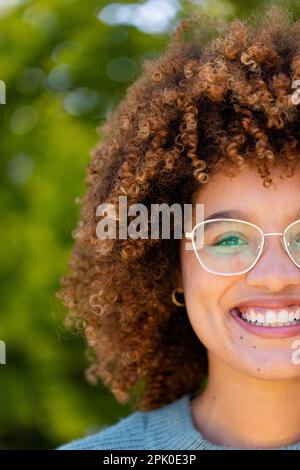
(209, 297)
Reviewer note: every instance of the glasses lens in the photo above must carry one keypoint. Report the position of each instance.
(292, 239)
(227, 246)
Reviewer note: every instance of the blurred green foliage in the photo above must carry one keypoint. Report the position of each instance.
(64, 69)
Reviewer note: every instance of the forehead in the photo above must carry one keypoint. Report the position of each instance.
(246, 198)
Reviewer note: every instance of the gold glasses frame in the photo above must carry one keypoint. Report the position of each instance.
(284, 242)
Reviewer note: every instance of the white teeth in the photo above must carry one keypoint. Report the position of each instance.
(283, 316)
(260, 318)
(273, 317)
(252, 316)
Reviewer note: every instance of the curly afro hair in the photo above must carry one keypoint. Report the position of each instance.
(220, 97)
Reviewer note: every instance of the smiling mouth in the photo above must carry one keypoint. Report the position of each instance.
(269, 317)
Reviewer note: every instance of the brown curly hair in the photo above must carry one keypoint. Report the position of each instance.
(220, 97)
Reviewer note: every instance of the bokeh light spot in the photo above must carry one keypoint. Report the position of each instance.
(81, 101)
(20, 168)
(23, 120)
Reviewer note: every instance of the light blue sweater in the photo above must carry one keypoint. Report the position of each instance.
(169, 427)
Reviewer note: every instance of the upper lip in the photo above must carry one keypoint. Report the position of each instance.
(270, 302)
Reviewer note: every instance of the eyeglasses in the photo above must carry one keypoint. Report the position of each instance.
(229, 247)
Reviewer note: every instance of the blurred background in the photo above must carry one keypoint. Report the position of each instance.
(65, 64)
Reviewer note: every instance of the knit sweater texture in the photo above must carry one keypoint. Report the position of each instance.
(169, 427)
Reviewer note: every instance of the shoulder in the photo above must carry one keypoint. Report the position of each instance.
(127, 433)
(160, 428)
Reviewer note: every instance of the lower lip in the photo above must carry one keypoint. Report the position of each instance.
(266, 331)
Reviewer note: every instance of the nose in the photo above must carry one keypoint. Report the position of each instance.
(274, 270)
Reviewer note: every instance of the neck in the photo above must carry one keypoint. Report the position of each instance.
(241, 411)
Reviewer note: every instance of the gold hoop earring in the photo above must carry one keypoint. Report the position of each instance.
(178, 290)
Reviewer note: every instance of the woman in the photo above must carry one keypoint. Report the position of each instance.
(203, 342)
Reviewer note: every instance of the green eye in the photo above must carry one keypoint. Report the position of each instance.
(232, 240)
(294, 241)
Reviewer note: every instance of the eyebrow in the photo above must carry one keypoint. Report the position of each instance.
(229, 214)
(235, 214)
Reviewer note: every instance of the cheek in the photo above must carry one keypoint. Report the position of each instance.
(203, 295)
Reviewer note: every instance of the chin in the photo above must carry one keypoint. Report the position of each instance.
(271, 365)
